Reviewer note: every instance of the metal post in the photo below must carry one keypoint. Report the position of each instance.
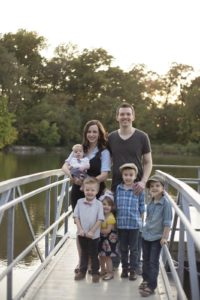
(198, 176)
(55, 197)
(66, 205)
(194, 284)
(174, 226)
(10, 249)
(47, 217)
(4, 198)
(181, 248)
(58, 213)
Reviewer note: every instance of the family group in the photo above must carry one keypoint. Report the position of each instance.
(110, 223)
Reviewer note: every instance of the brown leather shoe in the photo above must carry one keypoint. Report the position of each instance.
(95, 278)
(79, 276)
(132, 275)
(124, 273)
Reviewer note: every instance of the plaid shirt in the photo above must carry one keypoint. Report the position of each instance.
(129, 208)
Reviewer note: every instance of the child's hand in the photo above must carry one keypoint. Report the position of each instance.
(163, 241)
(90, 234)
(81, 232)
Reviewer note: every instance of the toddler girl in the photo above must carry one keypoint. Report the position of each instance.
(108, 237)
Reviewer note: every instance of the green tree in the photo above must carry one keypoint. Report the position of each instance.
(179, 75)
(26, 47)
(54, 110)
(47, 134)
(189, 122)
(57, 109)
(8, 133)
(11, 73)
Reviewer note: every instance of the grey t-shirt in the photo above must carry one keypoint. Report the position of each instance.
(127, 151)
(89, 214)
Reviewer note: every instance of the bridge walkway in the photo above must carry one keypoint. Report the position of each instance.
(57, 281)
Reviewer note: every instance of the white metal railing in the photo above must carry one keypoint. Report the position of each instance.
(186, 198)
(55, 190)
(187, 180)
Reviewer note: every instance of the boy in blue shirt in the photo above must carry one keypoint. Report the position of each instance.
(155, 233)
(130, 209)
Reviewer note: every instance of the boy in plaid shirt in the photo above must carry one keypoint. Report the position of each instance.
(130, 210)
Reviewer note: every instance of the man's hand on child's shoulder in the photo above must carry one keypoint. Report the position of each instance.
(138, 187)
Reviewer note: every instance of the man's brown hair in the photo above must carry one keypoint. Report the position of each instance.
(125, 105)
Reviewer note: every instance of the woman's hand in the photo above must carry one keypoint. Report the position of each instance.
(77, 181)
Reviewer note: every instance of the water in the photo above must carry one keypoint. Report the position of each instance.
(15, 165)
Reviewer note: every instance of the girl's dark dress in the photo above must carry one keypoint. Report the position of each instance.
(108, 243)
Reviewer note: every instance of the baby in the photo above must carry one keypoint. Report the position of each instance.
(78, 164)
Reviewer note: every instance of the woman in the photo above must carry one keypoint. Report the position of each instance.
(94, 146)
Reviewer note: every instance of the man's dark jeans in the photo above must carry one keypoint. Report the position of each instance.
(89, 248)
(151, 254)
(128, 241)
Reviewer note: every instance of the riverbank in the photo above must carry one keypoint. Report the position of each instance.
(33, 149)
(176, 149)
(157, 149)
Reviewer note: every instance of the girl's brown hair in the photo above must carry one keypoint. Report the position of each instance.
(102, 140)
(111, 204)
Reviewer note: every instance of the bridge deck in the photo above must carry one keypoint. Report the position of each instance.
(57, 281)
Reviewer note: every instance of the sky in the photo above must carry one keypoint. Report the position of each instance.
(151, 32)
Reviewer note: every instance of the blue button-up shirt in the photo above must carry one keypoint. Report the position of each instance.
(159, 215)
(129, 208)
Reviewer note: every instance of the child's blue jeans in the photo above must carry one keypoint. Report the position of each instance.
(151, 253)
(128, 242)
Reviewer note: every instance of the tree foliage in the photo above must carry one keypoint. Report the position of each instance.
(8, 134)
(48, 101)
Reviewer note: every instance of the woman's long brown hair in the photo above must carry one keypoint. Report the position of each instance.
(102, 140)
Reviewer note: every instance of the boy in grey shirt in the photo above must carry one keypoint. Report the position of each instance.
(88, 215)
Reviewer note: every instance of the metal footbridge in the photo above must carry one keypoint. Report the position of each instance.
(55, 245)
